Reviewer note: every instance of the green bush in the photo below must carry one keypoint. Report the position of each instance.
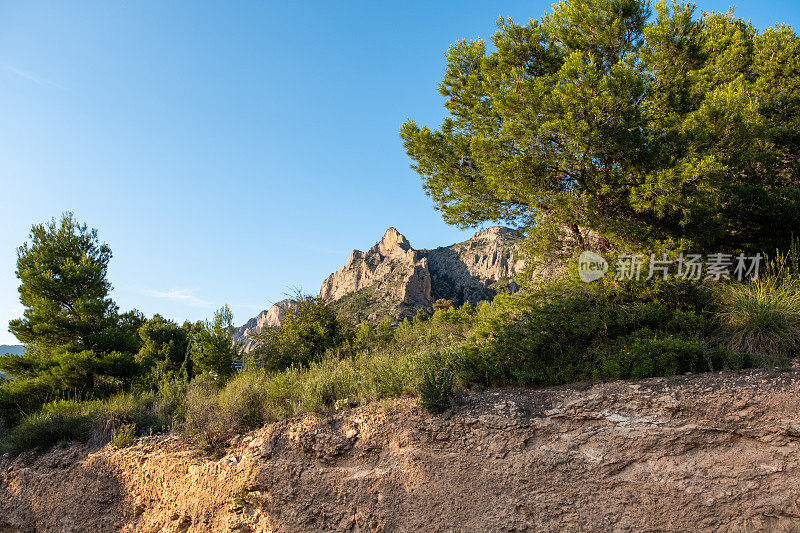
(310, 328)
(241, 401)
(566, 332)
(436, 389)
(642, 356)
(92, 421)
(123, 436)
(56, 422)
(203, 421)
(761, 317)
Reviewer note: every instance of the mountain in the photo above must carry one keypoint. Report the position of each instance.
(392, 278)
(395, 279)
(268, 317)
(15, 349)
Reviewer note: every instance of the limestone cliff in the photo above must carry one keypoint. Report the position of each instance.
(394, 278)
(268, 317)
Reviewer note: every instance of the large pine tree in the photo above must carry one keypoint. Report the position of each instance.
(682, 130)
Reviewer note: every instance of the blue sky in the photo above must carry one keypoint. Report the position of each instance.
(228, 151)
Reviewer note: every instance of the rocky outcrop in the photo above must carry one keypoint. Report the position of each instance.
(695, 453)
(394, 278)
(268, 318)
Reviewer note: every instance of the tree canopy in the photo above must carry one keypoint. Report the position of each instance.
(63, 285)
(682, 130)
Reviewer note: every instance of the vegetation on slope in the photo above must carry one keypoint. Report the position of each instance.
(647, 136)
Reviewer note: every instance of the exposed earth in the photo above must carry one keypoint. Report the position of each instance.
(702, 452)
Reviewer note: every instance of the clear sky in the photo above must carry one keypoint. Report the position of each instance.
(229, 151)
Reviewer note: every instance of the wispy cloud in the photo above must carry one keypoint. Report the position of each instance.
(186, 296)
(35, 78)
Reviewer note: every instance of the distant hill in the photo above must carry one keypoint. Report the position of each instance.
(16, 349)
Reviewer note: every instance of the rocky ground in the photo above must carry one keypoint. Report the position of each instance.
(704, 452)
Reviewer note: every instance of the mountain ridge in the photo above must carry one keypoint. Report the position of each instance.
(393, 278)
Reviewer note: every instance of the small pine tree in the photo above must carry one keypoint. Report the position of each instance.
(212, 349)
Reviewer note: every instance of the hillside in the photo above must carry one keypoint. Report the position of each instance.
(701, 452)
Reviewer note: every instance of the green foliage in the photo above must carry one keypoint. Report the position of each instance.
(65, 374)
(163, 342)
(241, 403)
(63, 286)
(212, 349)
(203, 422)
(364, 333)
(643, 356)
(596, 117)
(123, 436)
(566, 331)
(442, 304)
(761, 317)
(309, 329)
(77, 345)
(436, 389)
(86, 421)
(62, 421)
(384, 331)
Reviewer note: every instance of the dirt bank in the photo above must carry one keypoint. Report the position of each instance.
(693, 453)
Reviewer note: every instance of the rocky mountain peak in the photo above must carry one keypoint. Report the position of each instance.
(495, 233)
(393, 278)
(391, 240)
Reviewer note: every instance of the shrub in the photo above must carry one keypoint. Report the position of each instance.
(123, 436)
(241, 402)
(641, 356)
(203, 421)
(60, 421)
(761, 317)
(436, 389)
(308, 330)
(93, 422)
(329, 380)
(564, 332)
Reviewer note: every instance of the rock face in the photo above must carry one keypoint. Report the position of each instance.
(696, 453)
(394, 278)
(268, 317)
